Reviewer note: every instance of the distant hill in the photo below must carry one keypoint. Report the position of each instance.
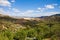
(9, 18)
(48, 16)
(56, 15)
(17, 17)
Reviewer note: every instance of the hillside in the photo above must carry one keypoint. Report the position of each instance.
(30, 28)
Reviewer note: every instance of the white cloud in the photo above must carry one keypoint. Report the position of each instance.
(16, 10)
(12, 0)
(55, 4)
(59, 6)
(50, 13)
(29, 11)
(40, 9)
(5, 3)
(2, 11)
(49, 6)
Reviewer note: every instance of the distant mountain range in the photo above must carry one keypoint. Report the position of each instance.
(18, 20)
(56, 15)
(18, 17)
(48, 16)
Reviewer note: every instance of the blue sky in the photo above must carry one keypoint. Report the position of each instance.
(29, 8)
